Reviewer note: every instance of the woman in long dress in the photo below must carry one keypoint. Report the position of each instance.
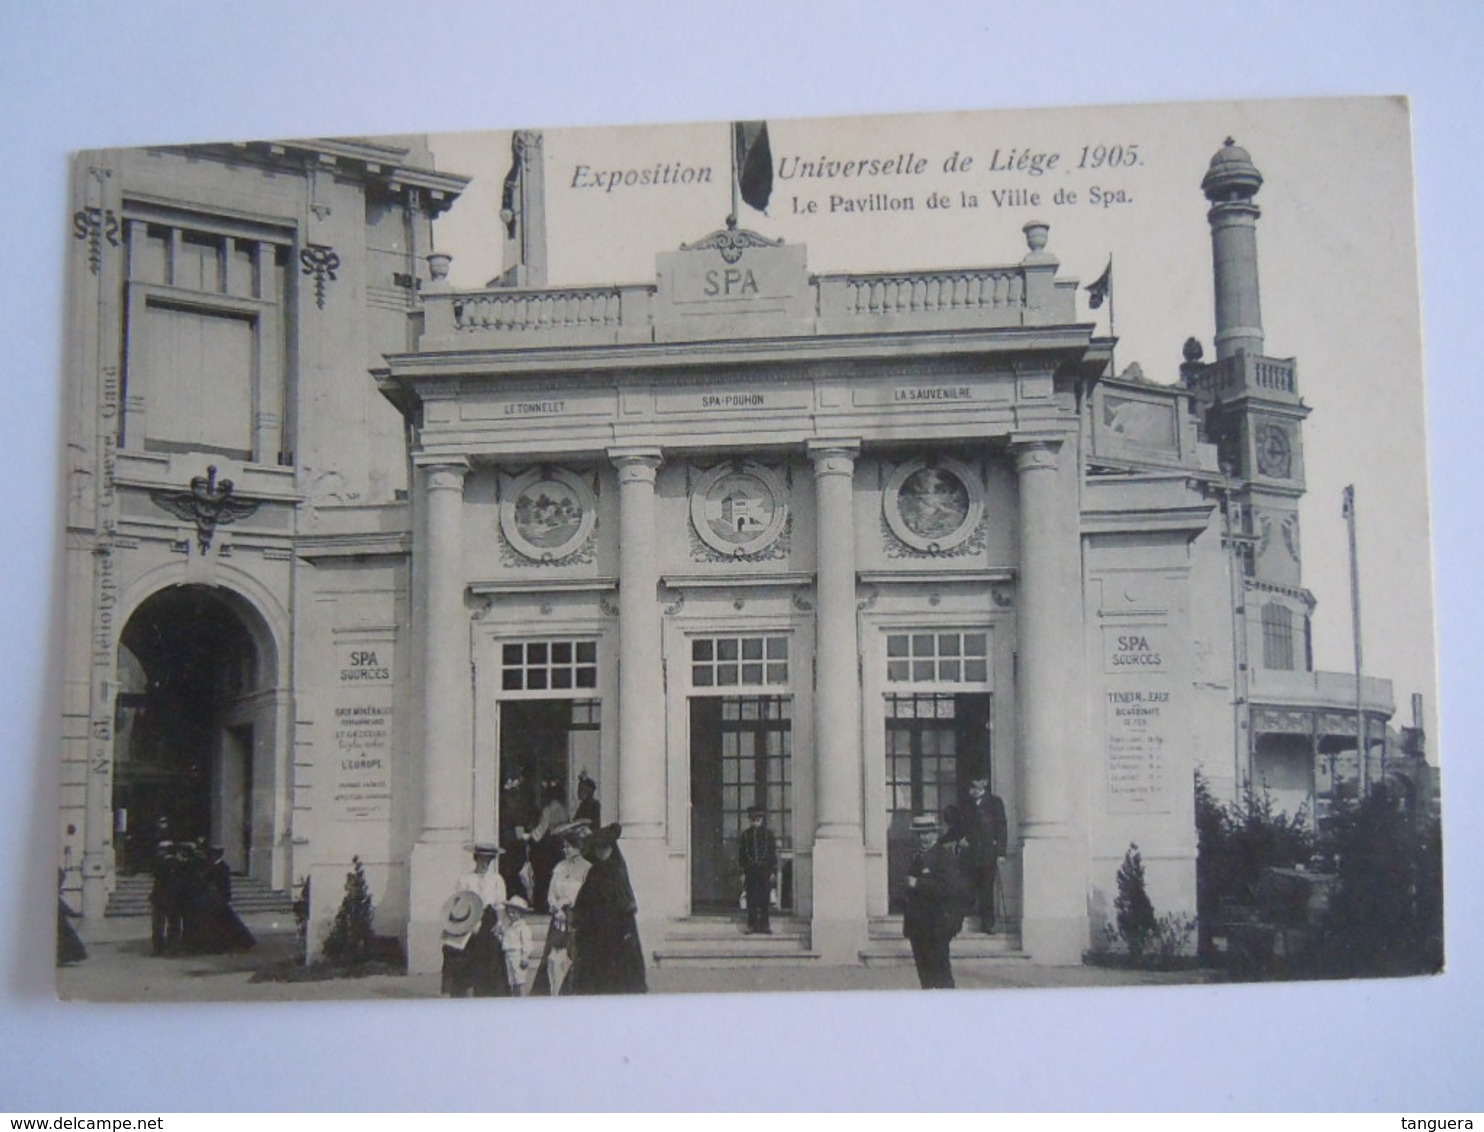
(566, 883)
(217, 926)
(607, 955)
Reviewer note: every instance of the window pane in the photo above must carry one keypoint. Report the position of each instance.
(561, 677)
(752, 674)
(975, 671)
(536, 678)
(701, 676)
(949, 670)
(587, 677)
(896, 645)
(948, 644)
(922, 644)
(536, 652)
(922, 670)
(511, 679)
(561, 652)
(726, 674)
(897, 671)
(777, 648)
(777, 674)
(700, 649)
(975, 644)
(726, 649)
(752, 648)
(510, 655)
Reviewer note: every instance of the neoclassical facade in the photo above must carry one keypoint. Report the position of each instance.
(741, 535)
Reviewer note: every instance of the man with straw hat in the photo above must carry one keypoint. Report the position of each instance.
(934, 905)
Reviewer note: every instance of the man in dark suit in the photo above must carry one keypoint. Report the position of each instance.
(989, 834)
(934, 910)
(757, 853)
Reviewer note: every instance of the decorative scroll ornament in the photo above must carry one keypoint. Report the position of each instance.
(731, 241)
(1291, 536)
(934, 506)
(320, 261)
(208, 504)
(95, 225)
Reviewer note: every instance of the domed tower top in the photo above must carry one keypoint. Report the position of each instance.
(1230, 184)
(1232, 176)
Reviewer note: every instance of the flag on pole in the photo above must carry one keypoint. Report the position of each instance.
(508, 197)
(1101, 287)
(752, 159)
(1347, 504)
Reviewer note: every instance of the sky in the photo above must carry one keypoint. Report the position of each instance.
(1337, 261)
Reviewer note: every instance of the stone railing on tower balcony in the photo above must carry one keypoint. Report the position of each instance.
(1249, 374)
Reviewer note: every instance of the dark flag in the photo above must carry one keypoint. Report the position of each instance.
(512, 184)
(1101, 287)
(1347, 503)
(753, 161)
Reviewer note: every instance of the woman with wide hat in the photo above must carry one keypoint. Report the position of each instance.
(473, 921)
(567, 880)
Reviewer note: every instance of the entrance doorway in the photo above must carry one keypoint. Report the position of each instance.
(935, 743)
(741, 755)
(545, 745)
(183, 747)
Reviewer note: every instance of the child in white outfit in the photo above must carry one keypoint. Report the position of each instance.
(517, 943)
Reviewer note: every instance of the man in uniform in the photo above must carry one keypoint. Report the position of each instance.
(757, 853)
(989, 833)
(934, 905)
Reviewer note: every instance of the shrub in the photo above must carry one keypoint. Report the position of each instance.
(1237, 843)
(352, 935)
(1135, 911)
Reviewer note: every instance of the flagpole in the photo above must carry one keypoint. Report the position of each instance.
(1360, 729)
(736, 216)
(1112, 319)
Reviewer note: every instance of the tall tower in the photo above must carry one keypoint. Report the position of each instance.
(523, 213)
(1254, 415)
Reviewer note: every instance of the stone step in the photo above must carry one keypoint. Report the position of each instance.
(721, 942)
(973, 949)
(130, 897)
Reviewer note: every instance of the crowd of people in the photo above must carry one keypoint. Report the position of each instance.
(592, 938)
(191, 901)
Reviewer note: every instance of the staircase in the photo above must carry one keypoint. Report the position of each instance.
(719, 942)
(887, 947)
(131, 897)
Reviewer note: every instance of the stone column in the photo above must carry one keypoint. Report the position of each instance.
(446, 708)
(839, 880)
(641, 692)
(1049, 687)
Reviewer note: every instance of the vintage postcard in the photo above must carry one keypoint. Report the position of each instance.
(976, 549)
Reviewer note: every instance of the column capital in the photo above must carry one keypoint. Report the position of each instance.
(636, 465)
(833, 457)
(443, 474)
(1031, 455)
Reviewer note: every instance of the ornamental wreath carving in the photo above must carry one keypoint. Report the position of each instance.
(934, 506)
(547, 515)
(739, 509)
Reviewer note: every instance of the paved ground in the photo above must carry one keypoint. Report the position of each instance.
(119, 968)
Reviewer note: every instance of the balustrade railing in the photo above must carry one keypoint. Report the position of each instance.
(933, 292)
(538, 310)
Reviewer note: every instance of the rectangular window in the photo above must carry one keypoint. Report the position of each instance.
(206, 346)
(937, 658)
(540, 666)
(1277, 637)
(730, 662)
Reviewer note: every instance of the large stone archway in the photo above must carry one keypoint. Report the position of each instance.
(197, 728)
